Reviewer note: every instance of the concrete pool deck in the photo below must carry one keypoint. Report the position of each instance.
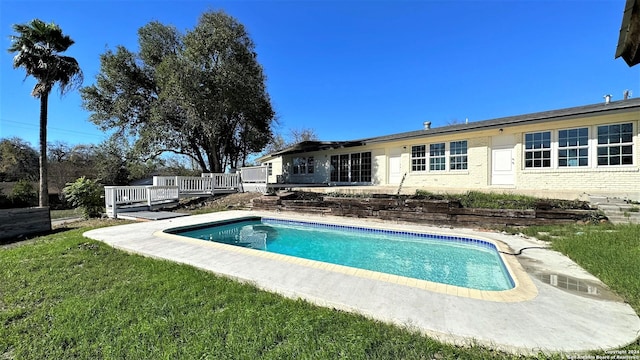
(555, 307)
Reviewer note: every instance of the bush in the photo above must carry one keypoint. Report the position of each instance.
(85, 194)
(24, 194)
(5, 202)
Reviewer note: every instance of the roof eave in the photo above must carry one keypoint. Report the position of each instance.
(534, 118)
(629, 40)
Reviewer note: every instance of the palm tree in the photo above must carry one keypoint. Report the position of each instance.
(38, 46)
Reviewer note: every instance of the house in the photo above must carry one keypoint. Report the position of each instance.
(567, 153)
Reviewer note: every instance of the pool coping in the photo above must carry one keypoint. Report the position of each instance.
(523, 289)
(551, 321)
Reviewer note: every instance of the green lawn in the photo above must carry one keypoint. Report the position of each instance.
(61, 214)
(64, 296)
(611, 253)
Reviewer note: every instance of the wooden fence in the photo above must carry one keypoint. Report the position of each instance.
(20, 222)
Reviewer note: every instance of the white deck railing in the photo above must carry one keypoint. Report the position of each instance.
(205, 184)
(167, 188)
(224, 181)
(148, 195)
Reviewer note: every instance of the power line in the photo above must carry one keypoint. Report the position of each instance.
(32, 126)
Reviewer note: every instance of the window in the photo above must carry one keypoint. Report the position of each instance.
(573, 147)
(436, 157)
(418, 158)
(458, 155)
(537, 151)
(354, 167)
(334, 168)
(365, 167)
(310, 165)
(269, 169)
(615, 144)
(344, 168)
(299, 165)
(303, 165)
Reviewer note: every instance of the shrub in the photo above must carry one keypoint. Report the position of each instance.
(85, 194)
(24, 194)
(5, 202)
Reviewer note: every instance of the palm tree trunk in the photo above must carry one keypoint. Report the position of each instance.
(44, 188)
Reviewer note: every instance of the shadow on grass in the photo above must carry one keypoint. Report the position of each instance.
(31, 238)
(21, 239)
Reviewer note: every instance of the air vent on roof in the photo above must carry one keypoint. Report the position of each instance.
(427, 125)
(607, 99)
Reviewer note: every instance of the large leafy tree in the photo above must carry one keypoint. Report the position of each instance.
(67, 163)
(201, 94)
(38, 47)
(296, 135)
(18, 160)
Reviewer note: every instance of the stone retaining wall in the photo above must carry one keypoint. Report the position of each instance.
(438, 212)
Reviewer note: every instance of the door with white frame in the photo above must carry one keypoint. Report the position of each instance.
(502, 160)
(395, 166)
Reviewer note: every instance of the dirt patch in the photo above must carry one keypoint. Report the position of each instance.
(234, 201)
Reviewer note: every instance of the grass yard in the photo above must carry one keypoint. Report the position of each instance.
(68, 213)
(611, 253)
(63, 296)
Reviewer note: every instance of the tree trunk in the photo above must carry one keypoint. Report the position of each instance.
(198, 155)
(214, 162)
(44, 185)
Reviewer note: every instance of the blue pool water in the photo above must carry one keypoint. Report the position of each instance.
(458, 261)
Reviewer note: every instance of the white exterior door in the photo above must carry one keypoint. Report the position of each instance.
(502, 160)
(395, 166)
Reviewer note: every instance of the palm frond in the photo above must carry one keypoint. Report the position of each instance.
(38, 46)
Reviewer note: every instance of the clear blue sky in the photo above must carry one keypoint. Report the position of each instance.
(355, 69)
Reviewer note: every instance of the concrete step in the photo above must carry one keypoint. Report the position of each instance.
(622, 217)
(604, 200)
(618, 211)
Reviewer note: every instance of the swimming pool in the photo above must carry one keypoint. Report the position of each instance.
(452, 260)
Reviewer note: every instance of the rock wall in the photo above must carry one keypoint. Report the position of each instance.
(438, 212)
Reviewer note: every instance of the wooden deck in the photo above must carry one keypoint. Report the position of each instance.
(167, 191)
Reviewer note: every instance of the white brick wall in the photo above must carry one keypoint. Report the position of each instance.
(570, 183)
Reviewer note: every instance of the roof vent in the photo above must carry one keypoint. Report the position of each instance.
(607, 99)
(626, 94)
(427, 125)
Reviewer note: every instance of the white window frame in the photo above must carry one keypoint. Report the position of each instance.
(343, 167)
(622, 145)
(538, 150)
(576, 147)
(302, 165)
(458, 158)
(436, 157)
(419, 163)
